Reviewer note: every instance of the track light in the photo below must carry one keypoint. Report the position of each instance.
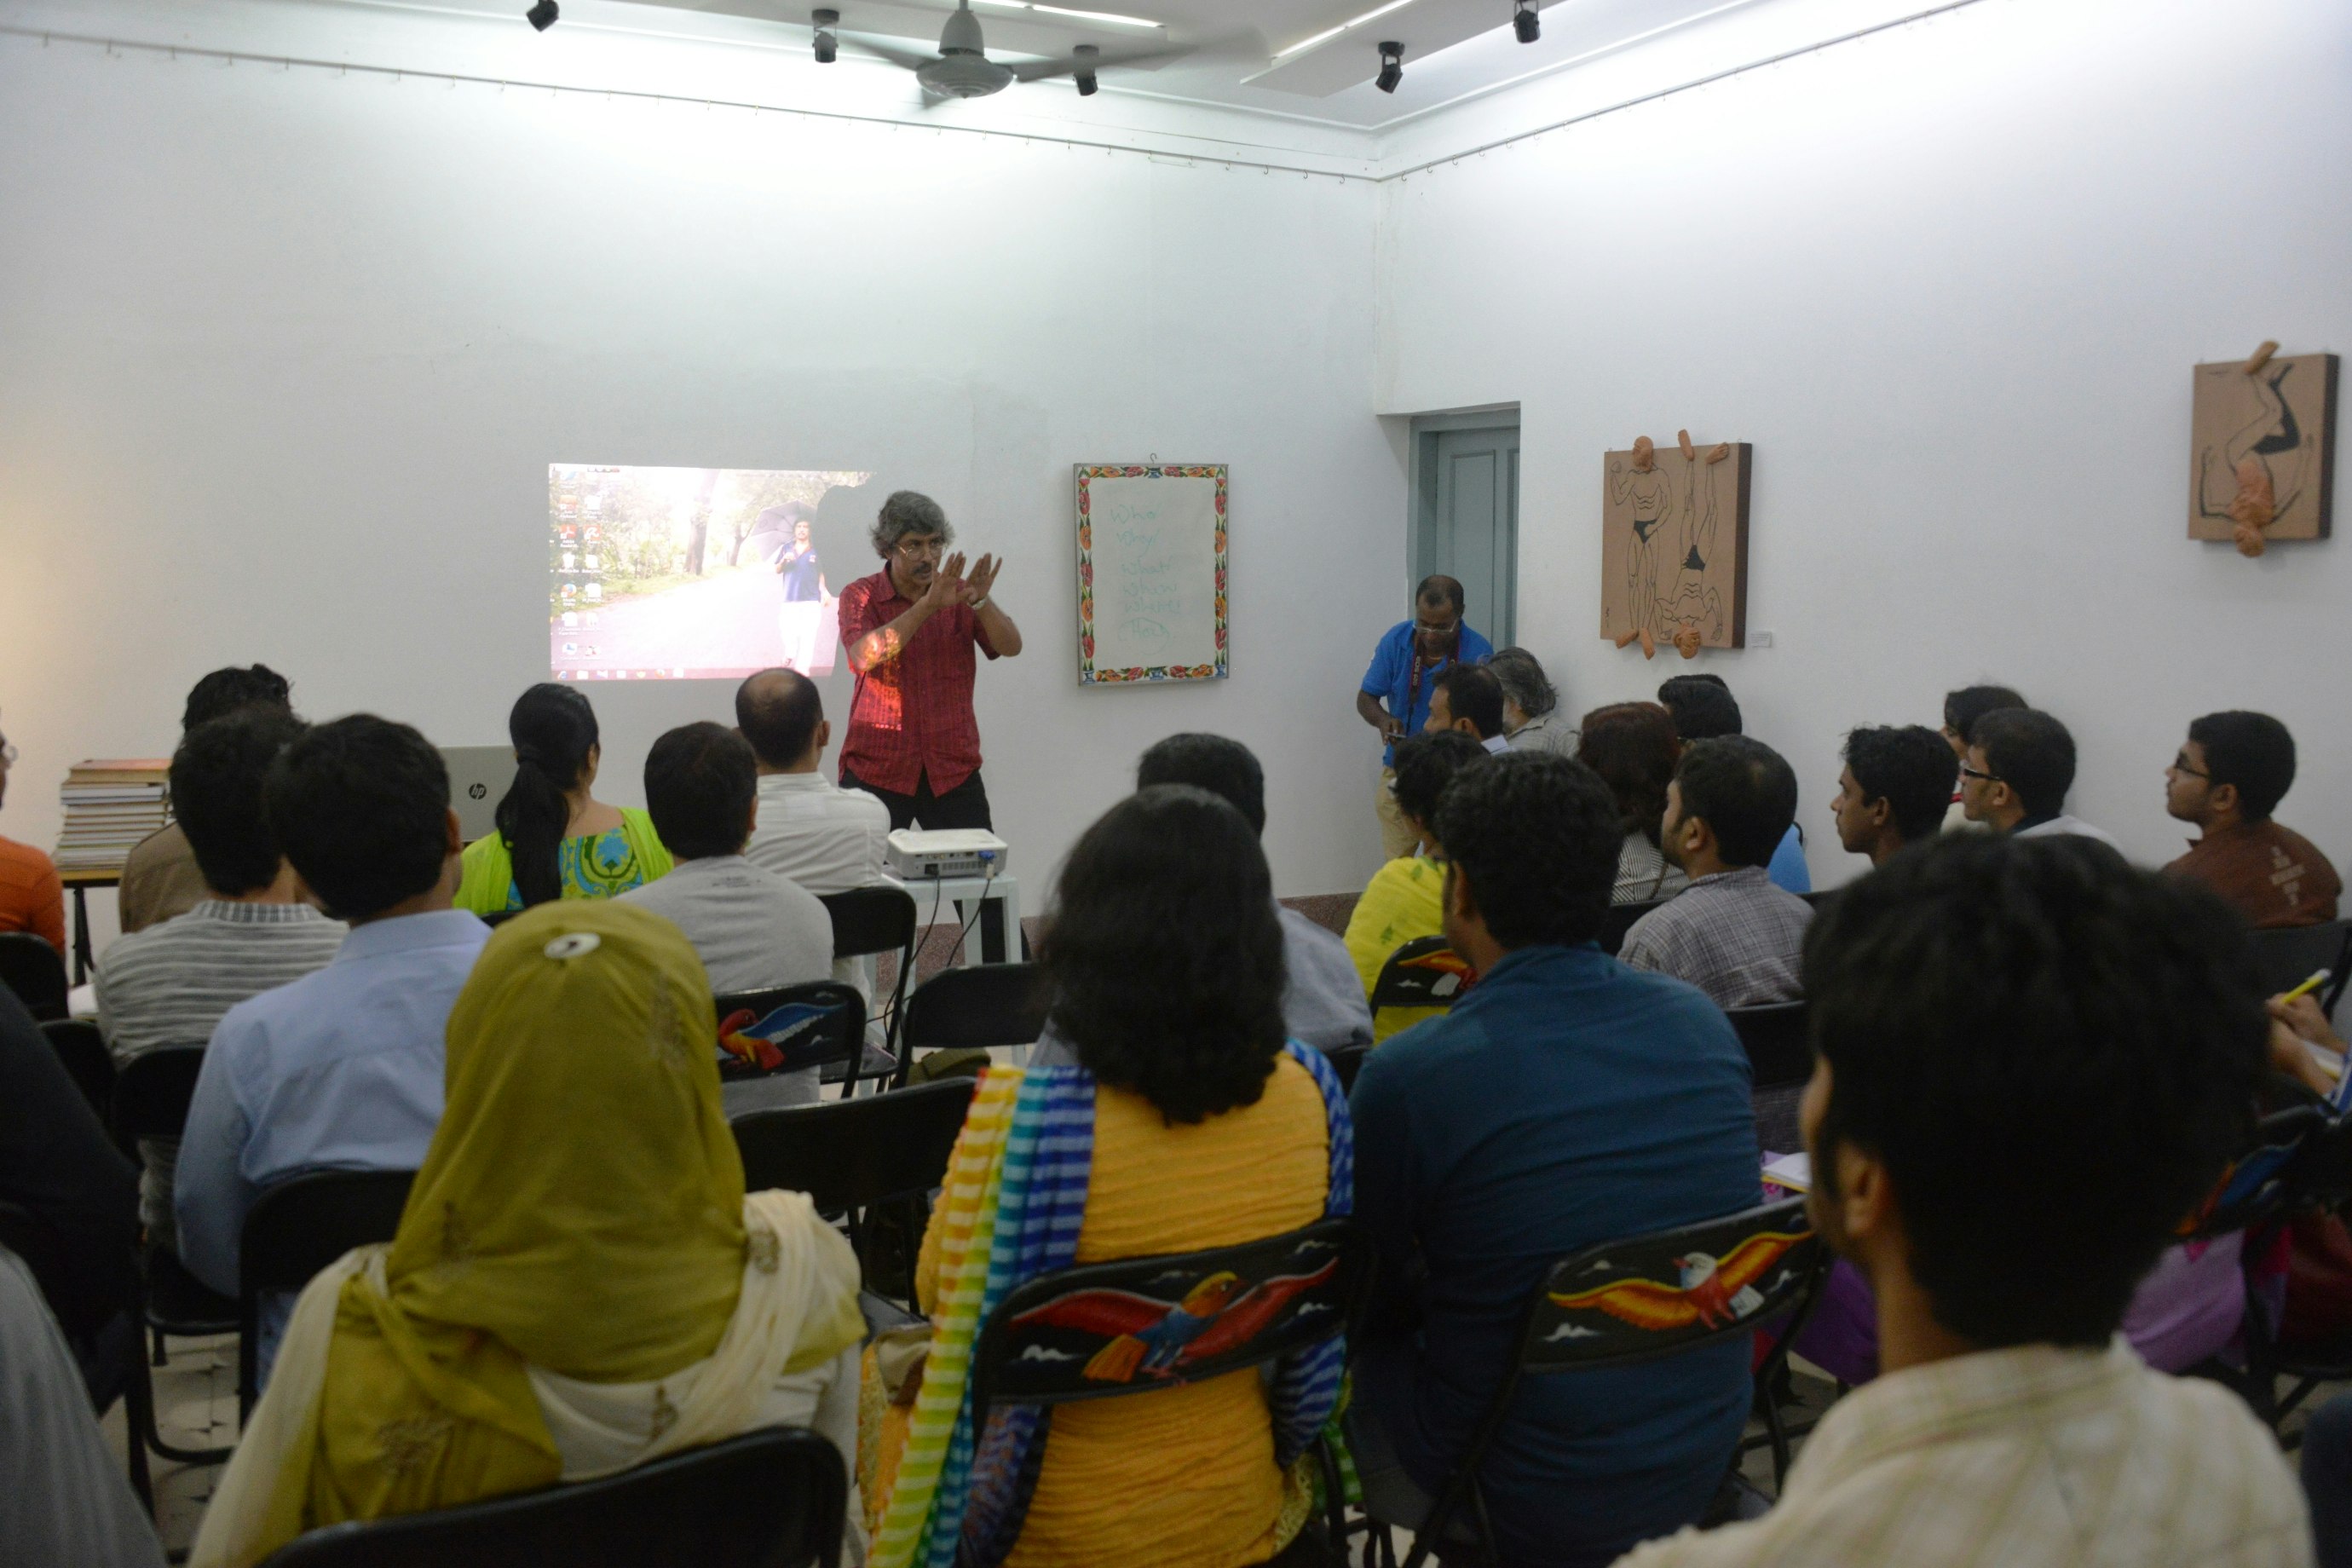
(1085, 75)
(1392, 68)
(543, 15)
(828, 46)
(1525, 22)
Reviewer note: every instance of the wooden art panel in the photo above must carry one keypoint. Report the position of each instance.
(2262, 443)
(1674, 551)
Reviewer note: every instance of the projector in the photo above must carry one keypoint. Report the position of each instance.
(919, 856)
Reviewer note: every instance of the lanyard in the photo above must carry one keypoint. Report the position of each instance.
(1413, 690)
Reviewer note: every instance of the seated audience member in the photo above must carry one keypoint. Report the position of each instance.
(341, 1069)
(160, 877)
(1731, 932)
(31, 897)
(1531, 719)
(1962, 708)
(1323, 1001)
(68, 1502)
(1565, 1101)
(752, 929)
(1468, 698)
(1705, 710)
(2100, 1027)
(169, 983)
(2014, 780)
(554, 838)
(580, 1282)
(57, 1164)
(1188, 1123)
(2230, 776)
(1404, 901)
(1633, 747)
(1895, 787)
(825, 838)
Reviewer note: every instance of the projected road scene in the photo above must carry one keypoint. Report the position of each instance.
(687, 574)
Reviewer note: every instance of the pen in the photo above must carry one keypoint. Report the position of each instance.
(2318, 978)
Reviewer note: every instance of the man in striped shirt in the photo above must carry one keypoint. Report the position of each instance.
(169, 983)
(2033, 1061)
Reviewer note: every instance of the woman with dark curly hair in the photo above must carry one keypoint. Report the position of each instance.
(1633, 747)
(1164, 960)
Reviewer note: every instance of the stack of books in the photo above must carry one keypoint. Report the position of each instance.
(110, 807)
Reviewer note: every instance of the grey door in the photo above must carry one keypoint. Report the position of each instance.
(1470, 521)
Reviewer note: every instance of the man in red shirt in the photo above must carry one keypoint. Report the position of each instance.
(31, 897)
(910, 630)
(2231, 774)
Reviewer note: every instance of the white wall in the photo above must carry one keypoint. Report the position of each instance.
(284, 356)
(1949, 280)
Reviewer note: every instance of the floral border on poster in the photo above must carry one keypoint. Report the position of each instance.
(1139, 674)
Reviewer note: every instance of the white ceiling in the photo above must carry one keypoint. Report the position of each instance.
(1244, 55)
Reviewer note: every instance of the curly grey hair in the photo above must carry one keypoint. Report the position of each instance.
(1524, 682)
(909, 513)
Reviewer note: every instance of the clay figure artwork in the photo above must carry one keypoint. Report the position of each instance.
(1674, 553)
(2263, 435)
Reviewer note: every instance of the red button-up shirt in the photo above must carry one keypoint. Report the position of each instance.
(912, 714)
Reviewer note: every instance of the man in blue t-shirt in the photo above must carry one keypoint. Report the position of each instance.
(1566, 1101)
(1396, 691)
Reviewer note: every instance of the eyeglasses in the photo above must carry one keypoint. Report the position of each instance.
(2180, 765)
(916, 549)
(1980, 774)
(1434, 630)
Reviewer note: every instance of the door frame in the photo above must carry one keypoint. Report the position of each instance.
(1422, 490)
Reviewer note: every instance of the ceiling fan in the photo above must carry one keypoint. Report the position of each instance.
(962, 69)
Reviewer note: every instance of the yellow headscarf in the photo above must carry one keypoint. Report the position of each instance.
(580, 1210)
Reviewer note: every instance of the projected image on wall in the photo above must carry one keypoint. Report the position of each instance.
(687, 574)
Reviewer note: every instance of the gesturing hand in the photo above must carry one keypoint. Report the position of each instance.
(983, 575)
(948, 586)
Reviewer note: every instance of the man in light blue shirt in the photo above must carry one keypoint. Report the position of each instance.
(342, 1069)
(1400, 682)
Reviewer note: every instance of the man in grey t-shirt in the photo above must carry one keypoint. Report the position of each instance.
(753, 929)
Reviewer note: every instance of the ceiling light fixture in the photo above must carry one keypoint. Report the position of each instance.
(1330, 33)
(828, 44)
(1391, 66)
(543, 15)
(1525, 22)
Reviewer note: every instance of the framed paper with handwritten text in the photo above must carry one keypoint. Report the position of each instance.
(1151, 572)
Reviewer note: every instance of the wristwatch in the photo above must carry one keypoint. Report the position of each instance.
(980, 602)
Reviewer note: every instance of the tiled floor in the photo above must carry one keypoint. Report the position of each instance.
(195, 1407)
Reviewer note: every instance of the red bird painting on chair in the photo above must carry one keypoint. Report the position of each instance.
(1716, 1292)
(1160, 1340)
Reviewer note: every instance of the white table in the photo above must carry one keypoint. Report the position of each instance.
(958, 894)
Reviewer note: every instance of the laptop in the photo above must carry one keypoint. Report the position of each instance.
(479, 778)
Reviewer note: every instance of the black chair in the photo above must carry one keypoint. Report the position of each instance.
(991, 1005)
(775, 1498)
(1780, 1059)
(1633, 1300)
(2287, 956)
(295, 1229)
(831, 1040)
(855, 1154)
(1072, 1336)
(86, 1060)
(35, 972)
(2317, 1178)
(1618, 922)
(867, 922)
(868, 1160)
(1347, 1061)
(1424, 973)
(497, 918)
(151, 1101)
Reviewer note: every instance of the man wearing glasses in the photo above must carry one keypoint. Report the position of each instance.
(910, 630)
(2014, 779)
(1398, 686)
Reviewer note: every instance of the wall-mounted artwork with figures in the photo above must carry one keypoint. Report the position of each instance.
(1674, 551)
(2262, 431)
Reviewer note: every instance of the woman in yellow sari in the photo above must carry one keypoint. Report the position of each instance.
(579, 1283)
